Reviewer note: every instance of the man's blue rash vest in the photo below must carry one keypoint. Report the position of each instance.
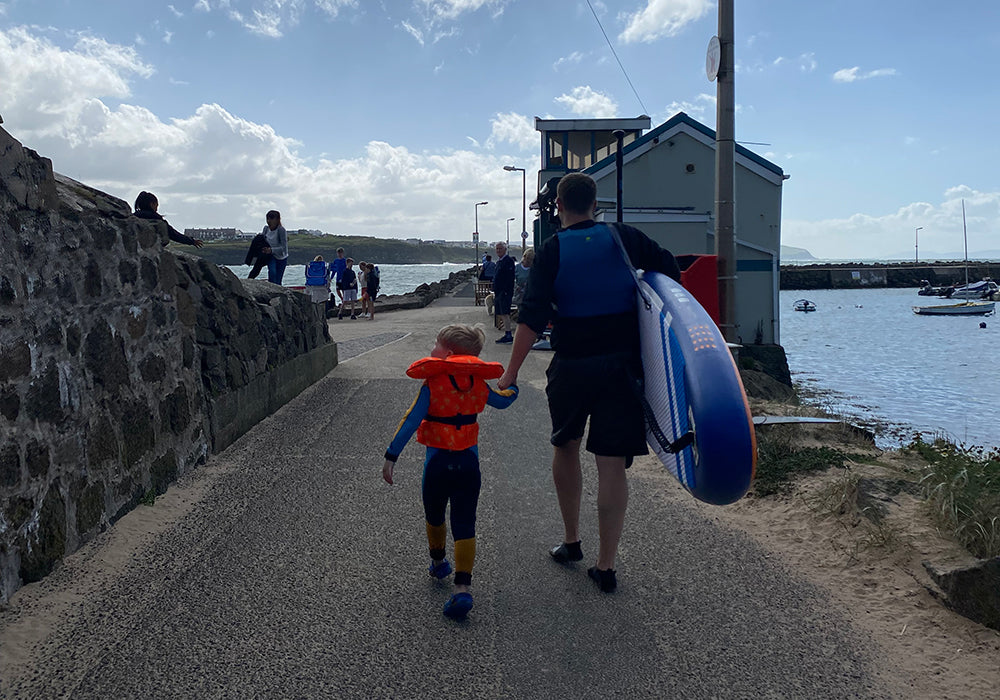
(609, 289)
(316, 274)
(458, 393)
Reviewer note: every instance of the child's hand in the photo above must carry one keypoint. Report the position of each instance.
(387, 471)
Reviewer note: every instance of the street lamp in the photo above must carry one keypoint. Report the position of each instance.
(524, 223)
(508, 230)
(475, 235)
(916, 256)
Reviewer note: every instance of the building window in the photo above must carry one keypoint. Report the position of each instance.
(555, 148)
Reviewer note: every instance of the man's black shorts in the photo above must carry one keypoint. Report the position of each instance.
(502, 302)
(604, 389)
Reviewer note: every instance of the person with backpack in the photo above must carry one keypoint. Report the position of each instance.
(349, 286)
(318, 280)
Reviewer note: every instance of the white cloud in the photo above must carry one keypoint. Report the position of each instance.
(515, 129)
(702, 109)
(177, 13)
(586, 102)
(453, 9)
(167, 36)
(663, 18)
(414, 32)
(214, 168)
(892, 235)
(573, 58)
(272, 18)
(850, 75)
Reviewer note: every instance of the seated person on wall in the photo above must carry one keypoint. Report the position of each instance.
(146, 205)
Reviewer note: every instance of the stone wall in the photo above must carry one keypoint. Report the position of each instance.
(123, 363)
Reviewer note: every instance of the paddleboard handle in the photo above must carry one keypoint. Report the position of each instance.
(680, 443)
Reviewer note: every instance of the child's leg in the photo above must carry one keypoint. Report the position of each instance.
(465, 482)
(435, 497)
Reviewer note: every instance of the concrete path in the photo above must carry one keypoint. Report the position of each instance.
(287, 568)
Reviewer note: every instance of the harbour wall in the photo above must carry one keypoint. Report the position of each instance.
(897, 275)
(123, 364)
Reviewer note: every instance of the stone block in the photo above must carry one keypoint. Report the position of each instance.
(138, 436)
(73, 338)
(93, 285)
(18, 512)
(128, 272)
(49, 542)
(175, 412)
(153, 369)
(102, 443)
(104, 357)
(10, 465)
(36, 458)
(43, 400)
(972, 591)
(89, 506)
(15, 361)
(136, 321)
(163, 472)
(10, 402)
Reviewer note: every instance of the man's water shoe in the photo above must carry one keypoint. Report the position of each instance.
(567, 552)
(604, 578)
(458, 606)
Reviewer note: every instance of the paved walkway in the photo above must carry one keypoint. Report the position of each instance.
(287, 568)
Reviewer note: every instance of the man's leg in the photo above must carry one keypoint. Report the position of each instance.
(612, 499)
(568, 479)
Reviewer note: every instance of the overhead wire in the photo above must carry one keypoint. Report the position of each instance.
(615, 53)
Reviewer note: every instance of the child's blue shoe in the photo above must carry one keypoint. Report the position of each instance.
(458, 606)
(439, 571)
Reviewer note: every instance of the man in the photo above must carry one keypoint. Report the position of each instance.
(503, 291)
(594, 372)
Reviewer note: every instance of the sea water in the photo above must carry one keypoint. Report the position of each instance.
(866, 355)
(393, 279)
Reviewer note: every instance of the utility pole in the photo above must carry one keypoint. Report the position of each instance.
(725, 174)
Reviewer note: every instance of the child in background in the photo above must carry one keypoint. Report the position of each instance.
(372, 283)
(363, 287)
(318, 280)
(349, 286)
(444, 415)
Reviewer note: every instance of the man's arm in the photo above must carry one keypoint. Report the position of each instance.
(646, 254)
(524, 338)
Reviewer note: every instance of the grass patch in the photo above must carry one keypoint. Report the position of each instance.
(148, 498)
(963, 490)
(778, 460)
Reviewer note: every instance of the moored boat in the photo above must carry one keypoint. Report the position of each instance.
(965, 308)
(804, 305)
(984, 289)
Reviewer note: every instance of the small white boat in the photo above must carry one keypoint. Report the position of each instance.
(984, 289)
(804, 305)
(966, 308)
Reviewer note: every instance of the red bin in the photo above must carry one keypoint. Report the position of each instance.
(700, 276)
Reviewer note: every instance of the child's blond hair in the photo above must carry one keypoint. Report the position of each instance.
(462, 339)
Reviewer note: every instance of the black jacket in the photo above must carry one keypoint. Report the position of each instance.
(255, 257)
(174, 234)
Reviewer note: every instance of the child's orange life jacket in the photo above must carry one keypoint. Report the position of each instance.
(458, 393)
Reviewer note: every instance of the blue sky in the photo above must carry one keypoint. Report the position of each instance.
(392, 118)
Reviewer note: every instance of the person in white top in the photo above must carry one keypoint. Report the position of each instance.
(277, 246)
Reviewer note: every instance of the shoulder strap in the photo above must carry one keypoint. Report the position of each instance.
(631, 268)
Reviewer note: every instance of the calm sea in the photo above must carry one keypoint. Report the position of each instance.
(870, 357)
(394, 279)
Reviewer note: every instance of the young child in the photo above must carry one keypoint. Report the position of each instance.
(363, 287)
(349, 286)
(443, 415)
(372, 281)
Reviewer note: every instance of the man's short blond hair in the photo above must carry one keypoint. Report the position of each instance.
(462, 339)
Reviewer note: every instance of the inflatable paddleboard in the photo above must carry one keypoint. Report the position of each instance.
(698, 421)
